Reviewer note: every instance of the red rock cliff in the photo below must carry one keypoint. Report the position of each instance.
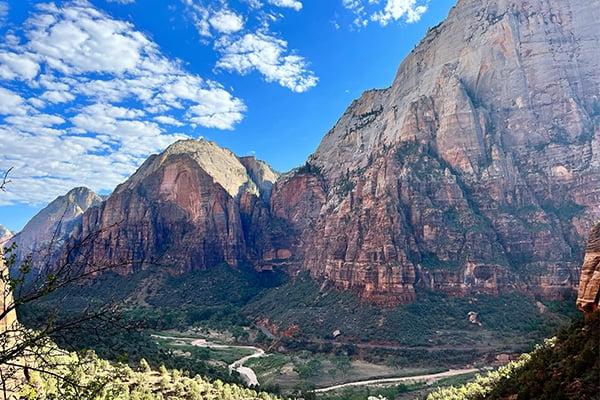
(588, 297)
(477, 170)
(194, 206)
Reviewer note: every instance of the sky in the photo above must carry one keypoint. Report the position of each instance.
(90, 88)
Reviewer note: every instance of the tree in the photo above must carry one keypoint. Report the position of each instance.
(28, 354)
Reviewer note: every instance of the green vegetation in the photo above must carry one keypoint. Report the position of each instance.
(344, 185)
(437, 322)
(211, 298)
(564, 367)
(434, 331)
(85, 376)
(309, 168)
(432, 261)
(362, 393)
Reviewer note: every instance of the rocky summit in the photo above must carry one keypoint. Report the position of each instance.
(477, 170)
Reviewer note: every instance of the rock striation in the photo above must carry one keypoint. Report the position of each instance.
(478, 169)
(192, 207)
(588, 296)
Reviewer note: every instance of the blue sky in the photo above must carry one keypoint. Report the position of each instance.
(89, 89)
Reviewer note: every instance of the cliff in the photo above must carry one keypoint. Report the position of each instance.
(478, 170)
(588, 296)
(192, 207)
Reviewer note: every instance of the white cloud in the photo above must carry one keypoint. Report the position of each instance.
(17, 66)
(226, 22)
(10, 103)
(122, 1)
(295, 4)
(86, 98)
(400, 9)
(166, 120)
(80, 39)
(56, 96)
(267, 55)
(248, 44)
(3, 11)
(365, 11)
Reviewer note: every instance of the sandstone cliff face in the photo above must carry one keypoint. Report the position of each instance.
(477, 170)
(194, 206)
(588, 297)
(49, 228)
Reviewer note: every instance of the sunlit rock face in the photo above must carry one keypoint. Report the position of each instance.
(478, 170)
(588, 297)
(192, 207)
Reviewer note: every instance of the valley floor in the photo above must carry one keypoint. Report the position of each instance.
(290, 373)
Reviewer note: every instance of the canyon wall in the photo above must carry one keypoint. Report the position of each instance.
(477, 170)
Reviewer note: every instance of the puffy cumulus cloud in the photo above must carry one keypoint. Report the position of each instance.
(11, 103)
(248, 44)
(18, 66)
(384, 12)
(85, 98)
(267, 55)
(226, 21)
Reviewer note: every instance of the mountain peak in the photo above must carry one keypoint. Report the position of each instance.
(5, 235)
(235, 174)
(54, 222)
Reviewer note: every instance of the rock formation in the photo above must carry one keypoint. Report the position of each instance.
(477, 170)
(588, 297)
(192, 207)
(48, 229)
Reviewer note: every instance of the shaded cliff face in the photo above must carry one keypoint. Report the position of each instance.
(588, 296)
(48, 229)
(477, 170)
(194, 206)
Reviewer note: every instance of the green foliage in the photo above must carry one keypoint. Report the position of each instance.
(435, 322)
(432, 261)
(212, 298)
(362, 393)
(566, 211)
(309, 168)
(564, 367)
(87, 377)
(344, 185)
(309, 369)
